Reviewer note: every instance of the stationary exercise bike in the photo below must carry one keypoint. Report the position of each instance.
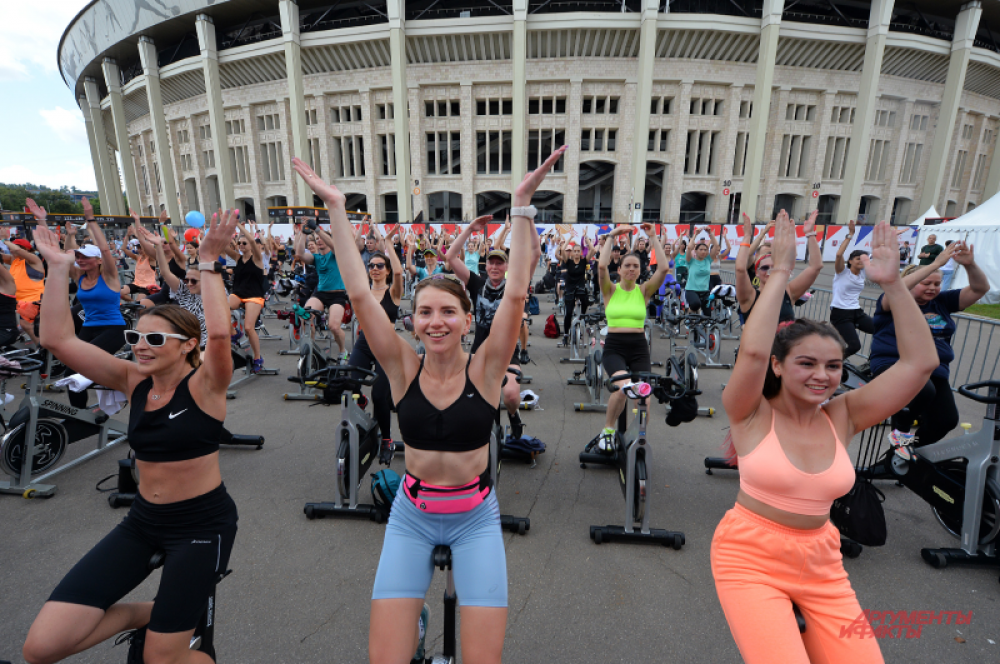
(960, 479)
(357, 440)
(591, 375)
(498, 438)
(40, 430)
(203, 639)
(632, 457)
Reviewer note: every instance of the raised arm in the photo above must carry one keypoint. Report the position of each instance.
(396, 290)
(604, 260)
(745, 292)
(979, 285)
(173, 246)
(217, 360)
(301, 253)
(838, 264)
(713, 247)
(524, 253)
(173, 283)
(872, 403)
(662, 263)
(742, 395)
(455, 257)
(394, 354)
(805, 279)
(255, 254)
(109, 270)
(408, 249)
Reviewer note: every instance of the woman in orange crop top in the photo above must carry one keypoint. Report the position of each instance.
(777, 545)
(445, 405)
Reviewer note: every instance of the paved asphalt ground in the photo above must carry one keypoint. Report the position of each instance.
(300, 589)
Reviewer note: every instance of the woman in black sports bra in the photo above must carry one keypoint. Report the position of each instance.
(178, 404)
(446, 403)
(385, 273)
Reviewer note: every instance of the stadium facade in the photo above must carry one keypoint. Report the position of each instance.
(681, 111)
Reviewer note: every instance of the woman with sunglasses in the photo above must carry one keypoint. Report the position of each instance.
(248, 289)
(385, 276)
(178, 404)
(747, 294)
(446, 406)
(185, 292)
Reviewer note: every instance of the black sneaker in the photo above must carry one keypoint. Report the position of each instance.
(524, 356)
(565, 340)
(136, 640)
(516, 426)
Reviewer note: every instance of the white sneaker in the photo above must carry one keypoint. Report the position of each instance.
(901, 443)
(606, 443)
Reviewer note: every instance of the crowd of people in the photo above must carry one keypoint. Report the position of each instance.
(789, 428)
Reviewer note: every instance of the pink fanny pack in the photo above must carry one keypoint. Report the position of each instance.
(447, 499)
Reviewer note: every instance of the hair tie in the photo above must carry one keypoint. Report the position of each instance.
(783, 324)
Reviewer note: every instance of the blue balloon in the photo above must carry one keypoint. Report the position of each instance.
(195, 219)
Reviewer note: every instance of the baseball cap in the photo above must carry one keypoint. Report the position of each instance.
(430, 252)
(24, 244)
(89, 251)
(497, 253)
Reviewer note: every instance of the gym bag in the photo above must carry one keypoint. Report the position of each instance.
(385, 484)
(859, 514)
(533, 307)
(551, 327)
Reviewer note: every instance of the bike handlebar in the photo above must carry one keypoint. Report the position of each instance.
(966, 391)
(344, 376)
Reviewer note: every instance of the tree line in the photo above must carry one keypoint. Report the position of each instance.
(56, 201)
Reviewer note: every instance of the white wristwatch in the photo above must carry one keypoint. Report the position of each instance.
(528, 211)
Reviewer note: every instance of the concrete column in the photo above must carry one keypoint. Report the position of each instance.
(94, 153)
(769, 185)
(678, 152)
(574, 108)
(726, 160)
(112, 79)
(857, 153)
(371, 165)
(899, 138)
(158, 123)
(106, 168)
(961, 47)
(400, 94)
(468, 151)
(643, 93)
(417, 143)
(757, 127)
(519, 55)
(289, 10)
(216, 118)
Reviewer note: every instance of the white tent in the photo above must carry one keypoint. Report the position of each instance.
(931, 213)
(980, 228)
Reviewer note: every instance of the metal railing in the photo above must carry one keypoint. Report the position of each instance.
(976, 342)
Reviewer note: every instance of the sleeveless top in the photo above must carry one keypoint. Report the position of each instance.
(698, 273)
(178, 431)
(767, 475)
(101, 304)
(390, 308)
(463, 426)
(787, 312)
(626, 308)
(248, 279)
(144, 275)
(28, 290)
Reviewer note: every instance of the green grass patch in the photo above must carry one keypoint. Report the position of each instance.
(987, 310)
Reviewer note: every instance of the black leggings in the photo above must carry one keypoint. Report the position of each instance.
(848, 322)
(109, 338)
(935, 410)
(362, 356)
(570, 296)
(696, 299)
(197, 536)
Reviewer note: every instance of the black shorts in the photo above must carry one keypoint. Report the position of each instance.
(330, 298)
(197, 536)
(136, 288)
(625, 351)
(160, 297)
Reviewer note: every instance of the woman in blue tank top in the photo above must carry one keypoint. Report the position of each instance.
(178, 405)
(445, 404)
(96, 276)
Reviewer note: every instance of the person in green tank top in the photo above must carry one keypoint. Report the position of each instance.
(625, 348)
(700, 255)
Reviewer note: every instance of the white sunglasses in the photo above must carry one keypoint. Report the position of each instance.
(153, 339)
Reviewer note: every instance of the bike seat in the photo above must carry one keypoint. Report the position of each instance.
(441, 556)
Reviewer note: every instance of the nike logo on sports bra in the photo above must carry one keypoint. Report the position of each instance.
(471, 395)
(173, 415)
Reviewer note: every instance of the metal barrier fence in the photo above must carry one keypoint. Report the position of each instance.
(976, 341)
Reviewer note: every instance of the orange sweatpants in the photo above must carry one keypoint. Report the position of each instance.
(761, 567)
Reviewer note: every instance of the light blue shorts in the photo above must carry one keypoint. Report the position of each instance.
(478, 559)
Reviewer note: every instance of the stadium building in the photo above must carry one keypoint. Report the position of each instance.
(684, 110)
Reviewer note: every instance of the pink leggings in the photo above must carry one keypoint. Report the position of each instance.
(761, 567)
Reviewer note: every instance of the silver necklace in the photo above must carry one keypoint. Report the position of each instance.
(154, 397)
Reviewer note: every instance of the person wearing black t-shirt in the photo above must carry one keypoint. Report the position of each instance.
(574, 274)
(486, 295)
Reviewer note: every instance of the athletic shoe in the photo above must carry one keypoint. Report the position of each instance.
(524, 356)
(258, 365)
(606, 442)
(345, 357)
(565, 340)
(235, 338)
(136, 640)
(901, 443)
(425, 616)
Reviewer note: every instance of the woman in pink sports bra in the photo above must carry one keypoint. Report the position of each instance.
(777, 545)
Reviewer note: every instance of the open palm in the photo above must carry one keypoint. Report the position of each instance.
(327, 192)
(882, 266)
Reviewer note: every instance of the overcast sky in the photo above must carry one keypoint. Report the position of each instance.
(44, 140)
